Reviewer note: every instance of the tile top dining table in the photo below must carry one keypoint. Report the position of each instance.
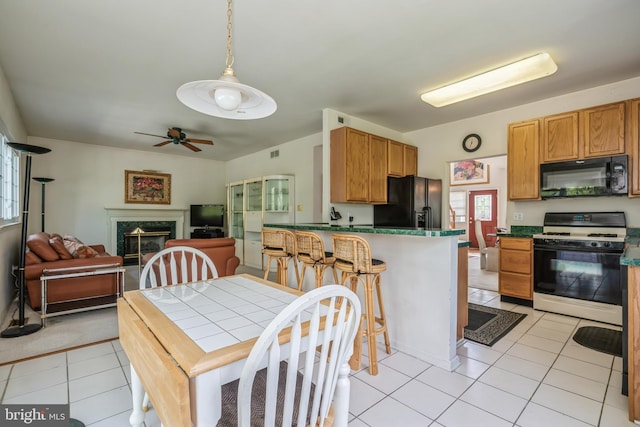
(185, 341)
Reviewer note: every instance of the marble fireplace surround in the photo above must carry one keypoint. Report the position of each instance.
(139, 214)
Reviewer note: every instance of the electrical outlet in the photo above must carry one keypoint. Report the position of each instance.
(518, 216)
(299, 208)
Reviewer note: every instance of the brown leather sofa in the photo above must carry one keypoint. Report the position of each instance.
(222, 252)
(51, 251)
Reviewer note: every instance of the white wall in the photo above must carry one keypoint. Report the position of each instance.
(11, 125)
(296, 158)
(442, 144)
(89, 178)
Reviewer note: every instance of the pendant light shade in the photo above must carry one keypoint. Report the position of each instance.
(227, 97)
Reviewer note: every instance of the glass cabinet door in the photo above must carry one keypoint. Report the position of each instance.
(236, 228)
(254, 195)
(277, 194)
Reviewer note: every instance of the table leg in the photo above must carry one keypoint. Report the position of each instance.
(137, 395)
(208, 398)
(341, 397)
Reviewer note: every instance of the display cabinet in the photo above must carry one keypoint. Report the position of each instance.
(253, 202)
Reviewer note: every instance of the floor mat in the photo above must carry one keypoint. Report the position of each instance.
(494, 323)
(600, 339)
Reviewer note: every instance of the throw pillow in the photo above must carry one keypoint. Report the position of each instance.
(72, 238)
(79, 250)
(39, 244)
(58, 245)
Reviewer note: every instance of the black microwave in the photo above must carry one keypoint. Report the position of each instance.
(602, 176)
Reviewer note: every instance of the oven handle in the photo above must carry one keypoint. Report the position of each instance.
(574, 249)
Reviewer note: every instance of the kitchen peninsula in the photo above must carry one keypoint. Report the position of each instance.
(419, 286)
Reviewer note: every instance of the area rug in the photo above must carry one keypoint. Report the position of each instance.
(487, 324)
(600, 339)
(61, 333)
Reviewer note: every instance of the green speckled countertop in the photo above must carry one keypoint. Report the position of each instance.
(367, 228)
(631, 255)
(521, 231)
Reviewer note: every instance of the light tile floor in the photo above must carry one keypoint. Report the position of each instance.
(535, 376)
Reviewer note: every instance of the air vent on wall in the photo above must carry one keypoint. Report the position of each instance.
(275, 153)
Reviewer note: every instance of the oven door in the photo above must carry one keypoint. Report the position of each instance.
(582, 274)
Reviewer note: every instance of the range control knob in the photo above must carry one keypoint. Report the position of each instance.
(594, 244)
(607, 244)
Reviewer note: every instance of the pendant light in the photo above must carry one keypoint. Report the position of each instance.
(227, 97)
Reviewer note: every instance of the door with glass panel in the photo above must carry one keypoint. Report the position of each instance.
(483, 206)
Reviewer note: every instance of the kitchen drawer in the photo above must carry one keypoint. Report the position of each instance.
(516, 285)
(515, 261)
(516, 243)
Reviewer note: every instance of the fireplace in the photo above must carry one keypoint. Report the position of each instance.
(159, 224)
(156, 233)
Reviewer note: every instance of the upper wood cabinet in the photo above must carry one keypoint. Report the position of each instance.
(559, 138)
(358, 167)
(402, 159)
(410, 160)
(523, 171)
(633, 135)
(395, 161)
(602, 130)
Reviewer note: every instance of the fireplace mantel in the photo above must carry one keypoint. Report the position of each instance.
(142, 213)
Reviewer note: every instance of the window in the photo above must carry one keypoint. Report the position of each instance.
(9, 182)
(482, 205)
(458, 204)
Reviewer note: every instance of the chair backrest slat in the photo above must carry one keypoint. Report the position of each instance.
(178, 264)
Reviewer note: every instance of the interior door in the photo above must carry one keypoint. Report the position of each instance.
(483, 206)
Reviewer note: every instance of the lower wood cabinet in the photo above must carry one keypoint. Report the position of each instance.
(463, 291)
(515, 274)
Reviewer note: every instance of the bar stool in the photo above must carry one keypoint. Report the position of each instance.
(279, 245)
(311, 253)
(353, 258)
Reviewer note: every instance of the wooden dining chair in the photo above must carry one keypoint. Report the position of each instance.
(311, 253)
(305, 381)
(178, 264)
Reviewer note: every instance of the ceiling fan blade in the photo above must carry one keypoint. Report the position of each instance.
(191, 147)
(150, 134)
(174, 132)
(160, 144)
(199, 141)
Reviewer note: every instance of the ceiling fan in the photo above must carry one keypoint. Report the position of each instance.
(176, 136)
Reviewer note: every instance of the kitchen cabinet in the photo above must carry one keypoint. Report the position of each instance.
(402, 159)
(523, 171)
(235, 216)
(602, 130)
(358, 167)
(515, 273)
(410, 160)
(463, 291)
(559, 138)
(633, 135)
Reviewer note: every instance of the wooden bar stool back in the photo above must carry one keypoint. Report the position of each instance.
(311, 253)
(353, 259)
(279, 245)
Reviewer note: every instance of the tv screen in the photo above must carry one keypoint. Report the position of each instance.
(207, 215)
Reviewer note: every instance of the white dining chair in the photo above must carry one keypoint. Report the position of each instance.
(488, 255)
(172, 266)
(175, 265)
(306, 349)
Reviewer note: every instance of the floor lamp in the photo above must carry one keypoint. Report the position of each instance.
(21, 329)
(43, 181)
(139, 231)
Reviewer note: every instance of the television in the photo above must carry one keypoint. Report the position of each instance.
(207, 216)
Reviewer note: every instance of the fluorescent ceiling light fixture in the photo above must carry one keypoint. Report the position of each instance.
(525, 70)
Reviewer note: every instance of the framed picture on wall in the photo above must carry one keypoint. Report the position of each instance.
(147, 187)
(468, 172)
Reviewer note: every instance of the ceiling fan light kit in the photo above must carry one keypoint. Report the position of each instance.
(227, 97)
(531, 68)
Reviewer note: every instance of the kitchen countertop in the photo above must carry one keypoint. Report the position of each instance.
(368, 228)
(631, 255)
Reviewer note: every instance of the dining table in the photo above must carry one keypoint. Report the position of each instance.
(186, 341)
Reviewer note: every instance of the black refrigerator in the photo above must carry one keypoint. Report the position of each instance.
(412, 201)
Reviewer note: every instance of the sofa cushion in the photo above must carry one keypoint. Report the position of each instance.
(31, 258)
(39, 244)
(58, 245)
(79, 250)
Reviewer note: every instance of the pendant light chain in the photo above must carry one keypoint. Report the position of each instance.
(230, 58)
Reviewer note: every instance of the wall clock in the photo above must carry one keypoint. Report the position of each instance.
(471, 143)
